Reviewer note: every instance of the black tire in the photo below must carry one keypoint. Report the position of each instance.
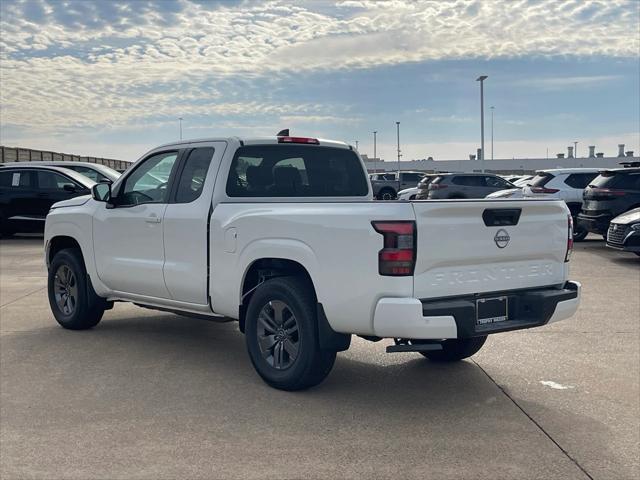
(456, 349)
(412, 197)
(387, 194)
(5, 231)
(579, 234)
(311, 364)
(82, 308)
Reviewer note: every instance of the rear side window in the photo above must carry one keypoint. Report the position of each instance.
(580, 180)
(16, 179)
(412, 177)
(469, 180)
(193, 175)
(624, 181)
(541, 179)
(295, 171)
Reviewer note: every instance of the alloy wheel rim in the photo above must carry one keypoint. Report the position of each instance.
(65, 290)
(278, 335)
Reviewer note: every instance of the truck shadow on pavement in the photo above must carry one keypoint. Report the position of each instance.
(162, 373)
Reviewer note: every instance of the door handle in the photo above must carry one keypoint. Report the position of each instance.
(153, 218)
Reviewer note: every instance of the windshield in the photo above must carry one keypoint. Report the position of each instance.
(540, 180)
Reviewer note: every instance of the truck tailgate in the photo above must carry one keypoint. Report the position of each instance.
(459, 252)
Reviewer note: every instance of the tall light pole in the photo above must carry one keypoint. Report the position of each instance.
(375, 158)
(398, 133)
(492, 107)
(180, 120)
(481, 79)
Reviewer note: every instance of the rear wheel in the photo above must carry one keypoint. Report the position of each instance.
(455, 349)
(74, 303)
(282, 335)
(386, 194)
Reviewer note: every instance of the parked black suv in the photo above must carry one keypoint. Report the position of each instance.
(611, 193)
(27, 193)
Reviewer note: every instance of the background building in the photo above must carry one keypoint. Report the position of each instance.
(507, 165)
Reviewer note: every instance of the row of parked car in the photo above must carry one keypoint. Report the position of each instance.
(603, 202)
(28, 189)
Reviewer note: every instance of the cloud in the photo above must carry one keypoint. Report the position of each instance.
(450, 119)
(82, 65)
(561, 83)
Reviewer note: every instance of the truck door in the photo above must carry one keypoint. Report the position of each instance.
(186, 227)
(128, 235)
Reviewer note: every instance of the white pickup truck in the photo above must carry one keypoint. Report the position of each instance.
(283, 235)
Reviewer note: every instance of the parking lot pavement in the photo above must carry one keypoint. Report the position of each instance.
(152, 395)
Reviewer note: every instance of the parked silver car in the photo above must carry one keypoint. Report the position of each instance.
(94, 171)
(466, 185)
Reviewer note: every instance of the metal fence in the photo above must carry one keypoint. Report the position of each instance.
(10, 154)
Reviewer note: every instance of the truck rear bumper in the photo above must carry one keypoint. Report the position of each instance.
(455, 317)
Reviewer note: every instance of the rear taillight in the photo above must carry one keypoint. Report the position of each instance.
(436, 186)
(398, 255)
(567, 256)
(306, 140)
(544, 190)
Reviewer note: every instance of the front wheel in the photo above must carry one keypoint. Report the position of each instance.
(72, 299)
(282, 335)
(456, 349)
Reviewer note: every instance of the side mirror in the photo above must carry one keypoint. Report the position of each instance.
(101, 192)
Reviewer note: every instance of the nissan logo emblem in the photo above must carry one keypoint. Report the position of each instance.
(502, 238)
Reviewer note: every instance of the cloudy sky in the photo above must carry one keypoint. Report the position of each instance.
(112, 78)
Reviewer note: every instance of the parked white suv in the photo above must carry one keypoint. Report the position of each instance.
(283, 235)
(565, 184)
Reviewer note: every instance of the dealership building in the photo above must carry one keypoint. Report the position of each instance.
(507, 165)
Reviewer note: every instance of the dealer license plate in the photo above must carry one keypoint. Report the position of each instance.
(491, 310)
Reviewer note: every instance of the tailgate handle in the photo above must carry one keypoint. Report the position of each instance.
(500, 217)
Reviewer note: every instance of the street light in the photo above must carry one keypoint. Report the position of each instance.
(481, 79)
(180, 119)
(492, 107)
(375, 158)
(398, 133)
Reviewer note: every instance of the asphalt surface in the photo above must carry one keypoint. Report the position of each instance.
(152, 396)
